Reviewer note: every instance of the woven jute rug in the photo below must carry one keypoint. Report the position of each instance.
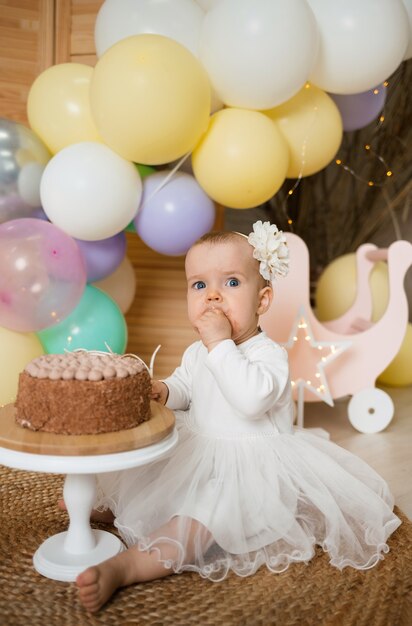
(305, 595)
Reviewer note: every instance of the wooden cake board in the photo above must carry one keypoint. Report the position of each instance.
(15, 437)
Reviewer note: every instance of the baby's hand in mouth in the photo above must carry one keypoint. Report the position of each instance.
(213, 327)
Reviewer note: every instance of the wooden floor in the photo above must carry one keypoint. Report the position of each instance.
(388, 452)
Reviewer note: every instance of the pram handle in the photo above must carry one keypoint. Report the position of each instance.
(380, 254)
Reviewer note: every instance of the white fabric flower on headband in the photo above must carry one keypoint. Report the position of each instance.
(271, 249)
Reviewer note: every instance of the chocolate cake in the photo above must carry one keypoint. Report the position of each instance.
(83, 392)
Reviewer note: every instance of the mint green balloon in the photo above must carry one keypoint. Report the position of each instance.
(95, 322)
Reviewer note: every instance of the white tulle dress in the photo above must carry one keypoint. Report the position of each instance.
(244, 488)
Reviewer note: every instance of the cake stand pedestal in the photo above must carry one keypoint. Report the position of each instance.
(65, 555)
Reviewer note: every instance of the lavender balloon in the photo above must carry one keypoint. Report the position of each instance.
(102, 257)
(173, 217)
(42, 274)
(360, 109)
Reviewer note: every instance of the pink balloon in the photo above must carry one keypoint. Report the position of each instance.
(42, 275)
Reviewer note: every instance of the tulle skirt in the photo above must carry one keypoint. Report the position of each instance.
(234, 504)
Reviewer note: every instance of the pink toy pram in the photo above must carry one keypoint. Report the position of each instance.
(370, 347)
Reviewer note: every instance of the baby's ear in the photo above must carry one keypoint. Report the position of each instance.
(265, 299)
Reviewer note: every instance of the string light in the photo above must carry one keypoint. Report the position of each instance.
(371, 152)
(302, 329)
(339, 162)
(370, 183)
(388, 173)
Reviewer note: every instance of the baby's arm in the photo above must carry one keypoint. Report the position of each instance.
(251, 385)
(179, 384)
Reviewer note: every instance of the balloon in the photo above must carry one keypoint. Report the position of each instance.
(58, 106)
(399, 371)
(312, 127)
(258, 53)
(242, 159)
(144, 170)
(337, 286)
(408, 7)
(16, 350)
(359, 109)
(95, 322)
(120, 285)
(23, 157)
(150, 99)
(42, 274)
(178, 19)
(173, 217)
(102, 257)
(361, 43)
(206, 5)
(89, 191)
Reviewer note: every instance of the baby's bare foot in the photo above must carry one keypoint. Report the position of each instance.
(105, 517)
(96, 585)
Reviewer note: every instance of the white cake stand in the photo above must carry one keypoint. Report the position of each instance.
(63, 556)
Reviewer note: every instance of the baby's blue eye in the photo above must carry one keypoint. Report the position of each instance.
(232, 282)
(199, 284)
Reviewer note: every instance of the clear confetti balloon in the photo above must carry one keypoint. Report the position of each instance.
(23, 157)
(42, 276)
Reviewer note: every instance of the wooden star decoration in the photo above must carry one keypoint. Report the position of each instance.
(308, 359)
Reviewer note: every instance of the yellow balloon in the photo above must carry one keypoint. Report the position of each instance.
(16, 350)
(120, 285)
(337, 286)
(312, 126)
(399, 371)
(58, 106)
(150, 99)
(242, 159)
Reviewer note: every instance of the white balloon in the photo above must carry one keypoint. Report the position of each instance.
(120, 285)
(89, 191)
(258, 53)
(362, 42)
(207, 4)
(180, 20)
(408, 7)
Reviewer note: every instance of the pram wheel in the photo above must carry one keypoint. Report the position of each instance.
(370, 410)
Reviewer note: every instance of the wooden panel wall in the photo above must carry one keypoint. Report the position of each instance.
(35, 34)
(26, 49)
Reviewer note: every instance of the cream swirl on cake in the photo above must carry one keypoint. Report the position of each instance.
(83, 366)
